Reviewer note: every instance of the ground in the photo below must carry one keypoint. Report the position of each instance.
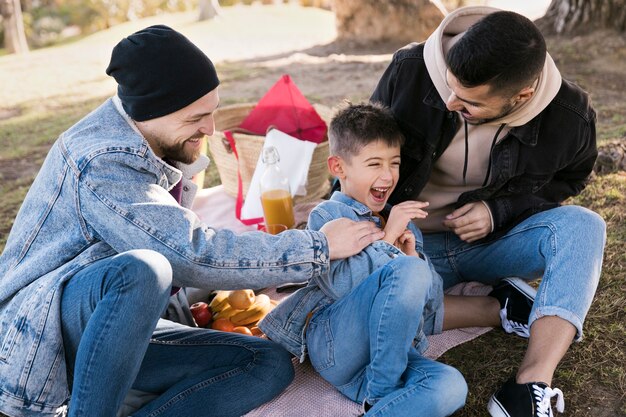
(48, 90)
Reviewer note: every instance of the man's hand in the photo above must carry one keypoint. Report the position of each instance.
(401, 214)
(470, 222)
(347, 237)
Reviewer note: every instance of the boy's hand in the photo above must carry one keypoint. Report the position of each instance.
(406, 243)
(470, 222)
(401, 214)
(347, 237)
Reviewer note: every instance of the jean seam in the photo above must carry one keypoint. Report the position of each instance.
(111, 312)
(525, 229)
(183, 394)
(405, 394)
(547, 273)
(202, 384)
(198, 343)
(450, 254)
(392, 291)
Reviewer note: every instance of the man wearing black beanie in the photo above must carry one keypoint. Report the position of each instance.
(91, 304)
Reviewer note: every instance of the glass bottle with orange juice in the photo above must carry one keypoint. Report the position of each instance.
(275, 194)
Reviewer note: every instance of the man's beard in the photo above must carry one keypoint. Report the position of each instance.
(178, 153)
(505, 110)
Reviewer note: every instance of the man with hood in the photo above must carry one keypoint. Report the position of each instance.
(496, 140)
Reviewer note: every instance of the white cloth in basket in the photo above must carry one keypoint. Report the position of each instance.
(295, 160)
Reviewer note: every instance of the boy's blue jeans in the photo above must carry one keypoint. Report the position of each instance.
(564, 245)
(363, 345)
(110, 311)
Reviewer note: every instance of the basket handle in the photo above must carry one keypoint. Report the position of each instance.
(239, 204)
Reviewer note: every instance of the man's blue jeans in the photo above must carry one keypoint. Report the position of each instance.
(110, 311)
(363, 345)
(564, 245)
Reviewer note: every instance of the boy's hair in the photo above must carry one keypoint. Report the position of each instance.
(504, 50)
(357, 125)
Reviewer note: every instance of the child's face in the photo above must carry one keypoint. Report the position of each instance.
(371, 175)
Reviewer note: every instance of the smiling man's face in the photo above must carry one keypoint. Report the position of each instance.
(178, 136)
(477, 105)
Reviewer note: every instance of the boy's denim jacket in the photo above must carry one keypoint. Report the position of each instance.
(102, 191)
(287, 322)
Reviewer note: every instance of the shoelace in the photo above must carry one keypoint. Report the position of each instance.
(511, 326)
(544, 396)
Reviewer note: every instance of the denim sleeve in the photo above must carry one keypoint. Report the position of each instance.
(345, 274)
(419, 237)
(123, 203)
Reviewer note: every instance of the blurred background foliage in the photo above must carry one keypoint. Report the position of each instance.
(48, 22)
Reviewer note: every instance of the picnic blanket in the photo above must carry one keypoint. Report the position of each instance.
(309, 395)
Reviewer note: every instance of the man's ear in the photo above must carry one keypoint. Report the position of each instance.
(525, 94)
(335, 166)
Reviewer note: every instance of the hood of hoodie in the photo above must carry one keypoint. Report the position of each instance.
(451, 30)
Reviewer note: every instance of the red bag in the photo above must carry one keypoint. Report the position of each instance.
(285, 108)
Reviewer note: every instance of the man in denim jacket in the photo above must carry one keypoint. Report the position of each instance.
(105, 236)
(496, 140)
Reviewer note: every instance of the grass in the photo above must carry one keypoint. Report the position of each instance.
(51, 88)
(592, 375)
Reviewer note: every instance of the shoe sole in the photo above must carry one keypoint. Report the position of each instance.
(495, 409)
(523, 287)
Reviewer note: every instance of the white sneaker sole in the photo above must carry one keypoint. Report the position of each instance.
(523, 287)
(495, 409)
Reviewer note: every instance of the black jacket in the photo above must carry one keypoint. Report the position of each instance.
(534, 167)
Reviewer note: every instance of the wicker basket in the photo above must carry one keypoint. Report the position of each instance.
(249, 148)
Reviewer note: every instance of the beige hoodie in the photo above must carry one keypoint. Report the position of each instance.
(445, 184)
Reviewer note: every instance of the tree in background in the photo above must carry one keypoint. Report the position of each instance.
(382, 20)
(208, 9)
(580, 16)
(13, 22)
(45, 22)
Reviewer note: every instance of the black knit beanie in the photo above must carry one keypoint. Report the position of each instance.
(159, 71)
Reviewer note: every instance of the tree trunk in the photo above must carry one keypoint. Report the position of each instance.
(208, 9)
(580, 16)
(14, 36)
(382, 20)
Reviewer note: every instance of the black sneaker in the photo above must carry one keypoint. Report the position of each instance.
(525, 400)
(365, 408)
(516, 300)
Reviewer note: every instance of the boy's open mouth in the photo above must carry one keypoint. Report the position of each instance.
(379, 193)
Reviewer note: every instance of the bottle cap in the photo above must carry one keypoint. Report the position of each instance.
(270, 155)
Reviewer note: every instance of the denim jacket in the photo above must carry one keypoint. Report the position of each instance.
(102, 191)
(287, 322)
(535, 166)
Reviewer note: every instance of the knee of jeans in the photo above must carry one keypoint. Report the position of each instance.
(279, 366)
(453, 389)
(581, 219)
(154, 270)
(413, 276)
(595, 223)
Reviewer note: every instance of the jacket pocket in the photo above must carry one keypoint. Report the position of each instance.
(320, 344)
(528, 183)
(15, 329)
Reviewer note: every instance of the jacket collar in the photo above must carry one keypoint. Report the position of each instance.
(359, 208)
(433, 99)
(528, 133)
